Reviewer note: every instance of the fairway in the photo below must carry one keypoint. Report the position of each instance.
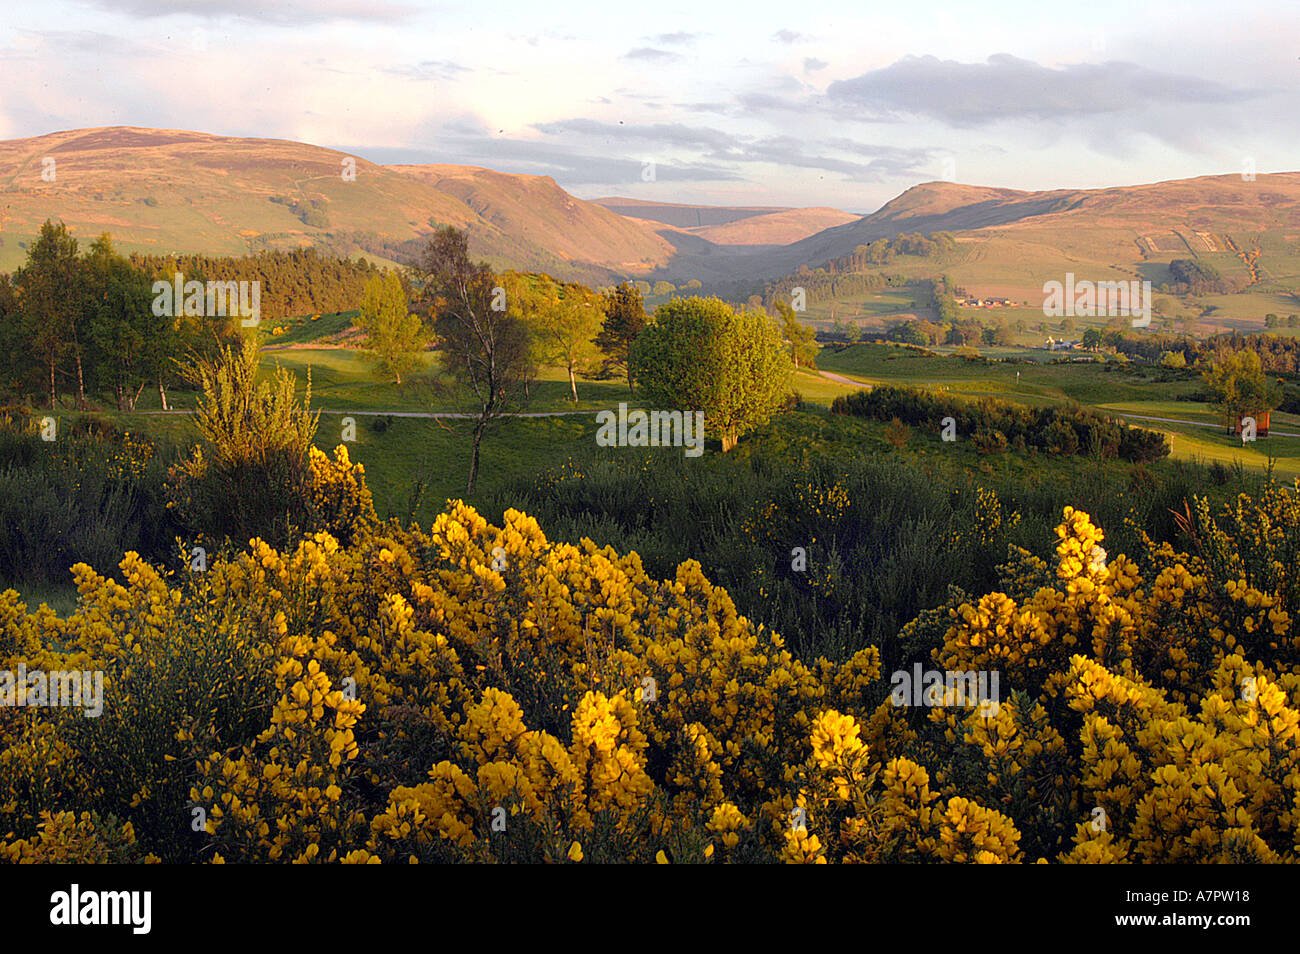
(1119, 388)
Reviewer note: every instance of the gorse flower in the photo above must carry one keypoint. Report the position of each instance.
(375, 694)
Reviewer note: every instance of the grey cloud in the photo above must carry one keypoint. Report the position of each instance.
(677, 39)
(429, 70)
(1006, 87)
(789, 36)
(567, 166)
(811, 64)
(279, 12)
(670, 134)
(650, 54)
(883, 162)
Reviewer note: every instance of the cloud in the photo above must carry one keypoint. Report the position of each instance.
(714, 146)
(665, 134)
(280, 12)
(789, 36)
(429, 70)
(677, 39)
(812, 64)
(650, 54)
(1006, 88)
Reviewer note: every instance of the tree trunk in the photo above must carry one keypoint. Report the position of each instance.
(52, 393)
(473, 459)
(729, 440)
(81, 385)
(573, 385)
(162, 395)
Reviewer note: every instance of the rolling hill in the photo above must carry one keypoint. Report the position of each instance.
(164, 190)
(733, 225)
(160, 190)
(1010, 242)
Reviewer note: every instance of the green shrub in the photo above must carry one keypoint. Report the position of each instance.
(250, 475)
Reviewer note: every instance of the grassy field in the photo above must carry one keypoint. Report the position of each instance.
(1117, 388)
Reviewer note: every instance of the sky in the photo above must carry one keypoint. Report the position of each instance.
(843, 104)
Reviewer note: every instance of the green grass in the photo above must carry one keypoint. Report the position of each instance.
(1124, 389)
(60, 597)
(438, 453)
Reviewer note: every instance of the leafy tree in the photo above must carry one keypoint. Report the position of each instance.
(625, 318)
(803, 340)
(701, 354)
(16, 369)
(1240, 386)
(664, 288)
(907, 332)
(49, 288)
(485, 347)
(127, 342)
(563, 320)
(394, 336)
(1092, 339)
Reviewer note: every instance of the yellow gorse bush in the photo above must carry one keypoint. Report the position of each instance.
(479, 693)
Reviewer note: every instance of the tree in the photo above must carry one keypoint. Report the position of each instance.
(15, 368)
(907, 332)
(625, 318)
(1092, 339)
(485, 347)
(1240, 386)
(562, 318)
(49, 287)
(394, 336)
(700, 354)
(803, 340)
(126, 342)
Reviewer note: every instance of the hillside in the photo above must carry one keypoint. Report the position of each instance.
(161, 190)
(534, 210)
(733, 225)
(1011, 241)
(172, 190)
